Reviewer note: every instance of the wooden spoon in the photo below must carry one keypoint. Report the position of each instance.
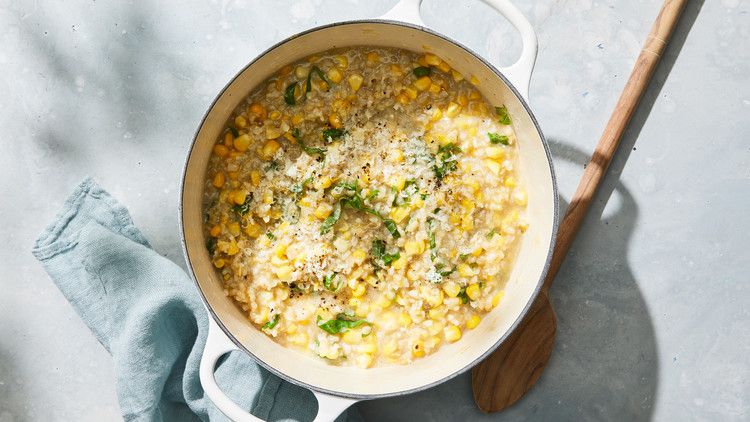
(508, 373)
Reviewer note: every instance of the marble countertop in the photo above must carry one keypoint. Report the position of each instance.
(653, 302)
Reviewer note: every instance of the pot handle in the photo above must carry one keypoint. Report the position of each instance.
(519, 73)
(217, 345)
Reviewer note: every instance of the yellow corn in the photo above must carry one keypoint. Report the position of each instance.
(497, 298)
(519, 197)
(220, 150)
(240, 122)
(284, 272)
(258, 110)
(215, 231)
(234, 228)
(398, 214)
(473, 322)
(334, 75)
(399, 264)
(219, 263)
(493, 165)
(280, 250)
(495, 152)
(474, 80)
(342, 62)
(510, 182)
(323, 183)
(414, 247)
(253, 230)
(335, 121)
(242, 142)
(473, 291)
(355, 81)
(297, 119)
(404, 319)
(452, 333)
(255, 177)
(269, 149)
(228, 139)
(352, 337)
(451, 288)
(452, 110)
(422, 83)
(444, 67)
(359, 256)
(218, 180)
(239, 197)
(467, 223)
(432, 59)
(400, 183)
(417, 350)
(396, 155)
(435, 89)
(402, 98)
(464, 270)
(323, 211)
(372, 58)
(411, 92)
(275, 115)
(456, 75)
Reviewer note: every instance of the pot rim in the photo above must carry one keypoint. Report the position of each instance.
(467, 366)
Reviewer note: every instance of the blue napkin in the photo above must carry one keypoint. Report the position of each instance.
(147, 313)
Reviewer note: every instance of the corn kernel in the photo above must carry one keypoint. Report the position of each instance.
(240, 122)
(493, 165)
(232, 249)
(342, 62)
(436, 327)
(372, 58)
(253, 230)
(473, 322)
(255, 177)
(422, 83)
(233, 175)
(352, 337)
(297, 119)
(452, 333)
(396, 155)
(359, 290)
(411, 92)
(335, 121)
(474, 80)
(218, 181)
(323, 211)
(438, 313)
(215, 231)
(239, 197)
(478, 251)
(291, 328)
(399, 264)
(334, 75)
(473, 291)
(451, 288)
(219, 263)
(280, 250)
(452, 110)
(234, 228)
(497, 298)
(417, 350)
(284, 272)
(495, 152)
(220, 150)
(359, 256)
(435, 89)
(402, 98)
(269, 149)
(369, 347)
(299, 339)
(519, 197)
(242, 142)
(467, 223)
(458, 77)
(437, 114)
(258, 110)
(444, 67)
(474, 95)
(323, 183)
(510, 182)
(400, 183)
(355, 81)
(228, 139)
(464, 270)
(398, 214)
(414, 247)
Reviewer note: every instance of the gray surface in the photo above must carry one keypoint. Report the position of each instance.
(652, 302)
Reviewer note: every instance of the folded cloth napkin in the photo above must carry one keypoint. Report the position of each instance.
(146, 311)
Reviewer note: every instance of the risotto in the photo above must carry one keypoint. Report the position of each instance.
(362, 205)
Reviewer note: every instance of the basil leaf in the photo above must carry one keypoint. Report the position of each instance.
(392, 228)
(422, 71)
(491, 233)
(244, 208)
(331, 219)
(502, 115)
(498, 139)
(211, 245)
(308, 150)
(270, 236)
(234, 131)
(373, 194)
(330, 134)
(463, 296)
(341, 324)
(289, 94)
(328, 282)
(316, 70)
(272, 323)
(379, 253)
(443, 156)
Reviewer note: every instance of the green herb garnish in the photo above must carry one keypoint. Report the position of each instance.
(422, 71)
(316, 70)
(328, 282)
(211, 245)
(234, 131)
(330, 134)
(463, 296)
(244, 208)
(498, 139)
(331, 219)
(502, 115)
(272, 166)
(289, 94)
(491, 233)
(272, 323)
(270, 236)
(309, 150)
(444, 157)
(341, 324)
(392, 228)
(373, 194)
(379, 253)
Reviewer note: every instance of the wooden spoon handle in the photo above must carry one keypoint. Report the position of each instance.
(626, 105)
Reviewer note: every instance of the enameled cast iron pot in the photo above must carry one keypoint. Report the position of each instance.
(336, 388)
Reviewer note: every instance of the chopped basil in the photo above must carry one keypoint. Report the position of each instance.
(244, 208)
(444, 157)
(330, 134)
(373, 194)
(422, 71)
(308, 150)
(316, 70)
(272, 166)
(341, 324)
(380, 255)
(289, 94)
(463, 256)
(463, 296)
(298, 188)
(211, 245)
(331, 219)
(270, 235)
(272, 323)
(353, 199)
(392, 228)
(502, 115)
(328, 282)
(498, 139)
(234, 131)
(404, 197)
(491, 233)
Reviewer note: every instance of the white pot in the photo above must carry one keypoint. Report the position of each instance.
(338, 387)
